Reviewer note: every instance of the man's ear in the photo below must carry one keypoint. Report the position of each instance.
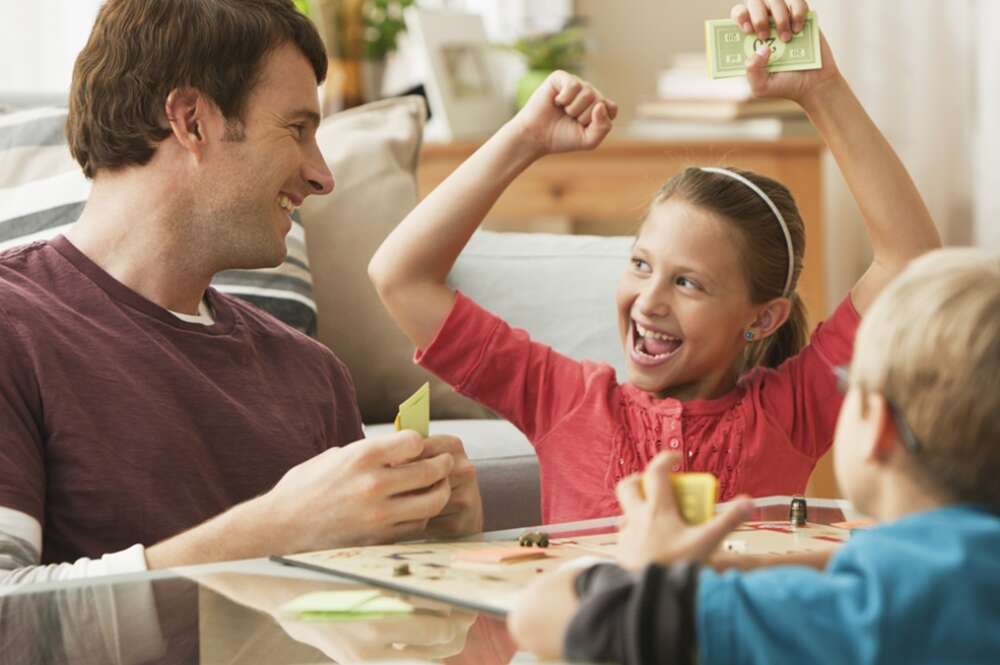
(187, 113)
(770, 316)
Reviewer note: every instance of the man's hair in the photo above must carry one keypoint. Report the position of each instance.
(931, 345)
(140, 50)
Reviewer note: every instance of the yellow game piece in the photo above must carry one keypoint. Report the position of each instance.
(415, 412)
(695, 495)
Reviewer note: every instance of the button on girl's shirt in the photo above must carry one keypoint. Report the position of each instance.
(674, 443)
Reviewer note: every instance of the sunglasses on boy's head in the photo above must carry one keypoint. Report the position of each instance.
(910, 440)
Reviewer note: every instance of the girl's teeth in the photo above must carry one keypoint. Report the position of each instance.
(655, 335)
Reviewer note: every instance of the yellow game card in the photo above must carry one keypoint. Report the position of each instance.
(695, 495)
(415, 412)
(344, 606)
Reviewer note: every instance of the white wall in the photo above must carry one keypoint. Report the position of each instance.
(40, 40)
(933, 87)
(987, 133)
(634, 39)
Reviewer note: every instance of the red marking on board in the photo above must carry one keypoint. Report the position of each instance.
(832, 539)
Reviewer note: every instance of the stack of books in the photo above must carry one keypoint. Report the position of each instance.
(691, 105)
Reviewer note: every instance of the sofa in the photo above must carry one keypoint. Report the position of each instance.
(560, 288)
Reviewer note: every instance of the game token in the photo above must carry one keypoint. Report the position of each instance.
(734, 545)
(534, 538)
(401, 570)
(797, 512)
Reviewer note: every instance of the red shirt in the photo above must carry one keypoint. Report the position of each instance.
(589, 432)
(122, 424)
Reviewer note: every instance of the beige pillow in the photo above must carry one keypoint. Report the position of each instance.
(373, 151)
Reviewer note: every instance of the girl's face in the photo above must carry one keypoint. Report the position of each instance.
(684, 304)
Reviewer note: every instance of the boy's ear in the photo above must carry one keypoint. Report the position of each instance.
(188, 114)
(770, 317)
(883, 440)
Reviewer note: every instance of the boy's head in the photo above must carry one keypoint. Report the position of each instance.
(927, 359)
(139, 51)
(709, 292)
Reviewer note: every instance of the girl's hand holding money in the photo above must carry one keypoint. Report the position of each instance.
(653, 530)
(755, 17)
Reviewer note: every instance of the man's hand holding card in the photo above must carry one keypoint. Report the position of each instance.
(463, 514)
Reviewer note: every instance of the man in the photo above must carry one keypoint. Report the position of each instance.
(147, 420)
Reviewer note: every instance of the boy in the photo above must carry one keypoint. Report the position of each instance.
(916, 448)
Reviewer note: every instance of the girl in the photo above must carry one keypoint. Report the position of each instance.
(712, 329)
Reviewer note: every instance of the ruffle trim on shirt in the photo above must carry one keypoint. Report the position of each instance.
(712, 432)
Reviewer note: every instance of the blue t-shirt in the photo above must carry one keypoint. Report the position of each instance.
(924, 589)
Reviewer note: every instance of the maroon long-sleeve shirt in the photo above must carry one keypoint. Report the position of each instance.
(122, 424)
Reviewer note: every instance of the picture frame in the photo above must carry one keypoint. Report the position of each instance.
(463, 88)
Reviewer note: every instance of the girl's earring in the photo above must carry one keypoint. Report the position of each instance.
(749, 335)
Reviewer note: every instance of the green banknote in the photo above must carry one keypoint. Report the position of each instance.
(728, 48)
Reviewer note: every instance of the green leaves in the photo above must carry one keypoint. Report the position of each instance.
(383, 25)
(564, 49)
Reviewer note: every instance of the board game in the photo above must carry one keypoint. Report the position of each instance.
(486, 574)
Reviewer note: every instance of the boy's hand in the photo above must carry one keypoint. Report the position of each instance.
(565, 114)
(754, 17)
(653, 530)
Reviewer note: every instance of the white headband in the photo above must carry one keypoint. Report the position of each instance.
(774, 209)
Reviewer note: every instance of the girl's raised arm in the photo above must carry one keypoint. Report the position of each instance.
(898, 222)
(410, 268)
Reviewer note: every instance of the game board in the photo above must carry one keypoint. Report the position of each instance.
(435, 573)
(444, 571)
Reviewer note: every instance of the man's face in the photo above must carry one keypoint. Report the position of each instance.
(256, 173)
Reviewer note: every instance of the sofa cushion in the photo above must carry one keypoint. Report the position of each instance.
(42, 192)
(372, 151)
(560, 288)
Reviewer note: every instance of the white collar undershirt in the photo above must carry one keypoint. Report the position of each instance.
(204, 315)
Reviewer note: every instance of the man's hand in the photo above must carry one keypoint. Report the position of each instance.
(435, 631)
(565, 114)
(463, 514)
(653, 530)
(754, 17)
(372, 491)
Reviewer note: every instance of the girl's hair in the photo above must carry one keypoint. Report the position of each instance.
(762, 245)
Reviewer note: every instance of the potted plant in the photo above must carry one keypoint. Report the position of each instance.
(546, 52)
(359, 34)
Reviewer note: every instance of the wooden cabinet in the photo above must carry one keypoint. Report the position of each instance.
(615, 183)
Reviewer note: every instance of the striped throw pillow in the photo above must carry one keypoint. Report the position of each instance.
(42, 192)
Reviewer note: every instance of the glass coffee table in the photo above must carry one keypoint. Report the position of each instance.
(232, 612)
